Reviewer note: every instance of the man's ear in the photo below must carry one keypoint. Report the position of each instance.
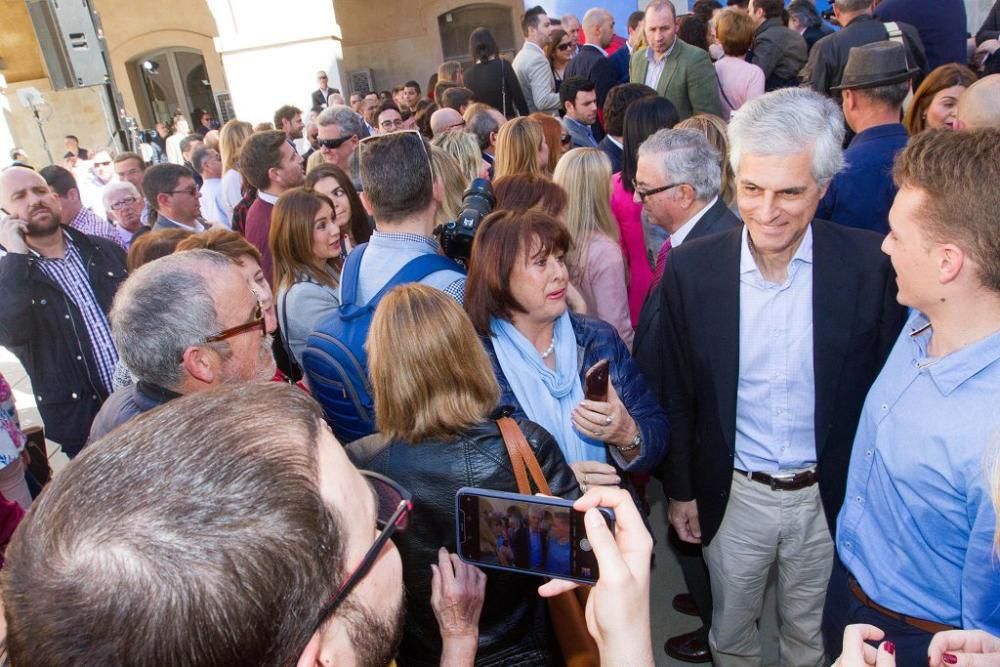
(200, 365)
(950, 263)
(369, 209)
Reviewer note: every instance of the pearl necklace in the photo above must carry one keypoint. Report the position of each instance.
(552, 346)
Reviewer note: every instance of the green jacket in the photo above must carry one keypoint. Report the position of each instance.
(688, 79)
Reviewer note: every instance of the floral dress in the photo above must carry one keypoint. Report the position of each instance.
(11, 437)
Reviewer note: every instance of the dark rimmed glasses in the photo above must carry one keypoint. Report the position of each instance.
(394, 504)
(655, 191)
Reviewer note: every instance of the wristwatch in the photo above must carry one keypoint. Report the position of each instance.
(636, 441)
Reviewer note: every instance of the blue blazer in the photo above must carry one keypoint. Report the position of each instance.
(619, 63)
(596, 340)
(613, 152)
(594, 66)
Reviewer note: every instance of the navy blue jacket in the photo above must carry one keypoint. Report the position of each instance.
(594, 66)
(45, 330)
(620, 61)
(861, 195)
(596, 340)
(941, 24)
(613, 152)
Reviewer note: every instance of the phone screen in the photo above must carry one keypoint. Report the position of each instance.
(529, 534)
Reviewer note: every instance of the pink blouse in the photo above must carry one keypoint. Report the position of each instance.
(601, 281)
(739, 82)
(628, 214)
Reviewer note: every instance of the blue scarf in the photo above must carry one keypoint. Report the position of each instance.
(547, 396)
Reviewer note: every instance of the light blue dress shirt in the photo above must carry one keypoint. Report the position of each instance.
(917, 526)
(388, 252)
(776, 393)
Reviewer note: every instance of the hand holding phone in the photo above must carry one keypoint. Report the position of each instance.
(12, 232)
(596, 381)
(618, 606)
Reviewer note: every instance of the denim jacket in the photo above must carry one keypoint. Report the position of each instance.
(596, 340)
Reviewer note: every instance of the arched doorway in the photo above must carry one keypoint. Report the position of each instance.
(170, 80)
(456, 25)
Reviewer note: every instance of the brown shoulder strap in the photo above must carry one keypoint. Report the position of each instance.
(514, 439)
(511, 434)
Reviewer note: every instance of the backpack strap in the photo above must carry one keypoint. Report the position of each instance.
(416, 270)
(349, 275)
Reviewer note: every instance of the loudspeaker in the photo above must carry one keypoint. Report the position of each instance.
(70, 42)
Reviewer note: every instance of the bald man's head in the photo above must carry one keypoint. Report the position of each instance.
(446, 120)
(25, 195)
(598, 26)
(979, 105)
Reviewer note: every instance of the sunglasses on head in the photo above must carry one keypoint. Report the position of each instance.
(335, 143)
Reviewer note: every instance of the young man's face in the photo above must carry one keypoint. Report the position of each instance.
(410, 96)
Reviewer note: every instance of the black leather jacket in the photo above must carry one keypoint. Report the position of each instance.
(514, 628)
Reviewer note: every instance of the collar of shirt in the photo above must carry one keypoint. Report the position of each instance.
(537, 48)
(615, 141)
(595, 46)
(85, 215)
(803, 255)
(403, 240)
(951, 370)
(878, 132)
(678, 237)
(70, 247)
(575, 122)
(268, 197)
(652, 59)
(196, 227)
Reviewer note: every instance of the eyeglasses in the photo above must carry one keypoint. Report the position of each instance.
(565, 47)
(394, 504)
(452, 127)
(655, 191)
(257, 322)
(103, 164)
(123, 203)
(191, 191)
(389, 124)
(335, 143)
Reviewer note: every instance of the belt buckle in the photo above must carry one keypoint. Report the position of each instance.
(776, 479)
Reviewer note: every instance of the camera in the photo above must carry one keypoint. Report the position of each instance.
(456, 235)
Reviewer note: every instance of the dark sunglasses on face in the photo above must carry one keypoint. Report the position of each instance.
(393, 506)
(565, 47)
(335, 143)
(102, 164)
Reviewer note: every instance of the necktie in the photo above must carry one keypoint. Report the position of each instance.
(661, 260)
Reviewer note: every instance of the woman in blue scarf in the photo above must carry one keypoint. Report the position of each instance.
(516, 298)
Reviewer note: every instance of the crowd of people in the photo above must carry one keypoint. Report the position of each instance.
(273, 370)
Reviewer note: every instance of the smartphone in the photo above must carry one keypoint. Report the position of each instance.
(529, 534)
(595, 385)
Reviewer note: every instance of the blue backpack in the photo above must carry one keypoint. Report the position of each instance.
(335, 360)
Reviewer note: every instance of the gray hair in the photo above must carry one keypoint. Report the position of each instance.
(687, 157)
(345, 118)
(163, 308)
(116, 187)
(787, 122)
(852, 5)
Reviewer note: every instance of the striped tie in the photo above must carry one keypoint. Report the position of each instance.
(661, 261)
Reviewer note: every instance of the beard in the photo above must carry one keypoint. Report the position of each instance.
(375, 638)
(42, 225)
(262, 370)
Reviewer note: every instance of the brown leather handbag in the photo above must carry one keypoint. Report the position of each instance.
(566, 610)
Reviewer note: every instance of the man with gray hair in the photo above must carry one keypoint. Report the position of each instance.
(828, 57)
(125, 205)
(765, 387)
(184, 323)
(485, 125)
(340, 130)
(678, 176)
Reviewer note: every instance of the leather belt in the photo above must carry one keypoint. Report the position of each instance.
(777, 483)
(930, 627)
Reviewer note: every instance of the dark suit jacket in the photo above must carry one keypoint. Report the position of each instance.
(594, 66)
(856, 320)
(648, 349)
(620, 60)
(319, 100)
(612, 151)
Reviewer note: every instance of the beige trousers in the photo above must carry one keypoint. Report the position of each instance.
(762, 528)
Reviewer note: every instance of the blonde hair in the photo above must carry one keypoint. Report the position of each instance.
(585, 175)
(714, 128)
(464, 148)
(473, 109)
(291, 240)
(517, 148)
(231, 139)
(453, 184)
(427, 386)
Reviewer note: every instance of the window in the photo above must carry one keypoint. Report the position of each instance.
(456, 26)
(171, 80)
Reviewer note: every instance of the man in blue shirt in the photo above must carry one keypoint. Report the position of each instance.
(915, 534)
(579, 102)
(875, 83)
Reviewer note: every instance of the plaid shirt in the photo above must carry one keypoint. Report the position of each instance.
(88, 222)
(71, 275)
